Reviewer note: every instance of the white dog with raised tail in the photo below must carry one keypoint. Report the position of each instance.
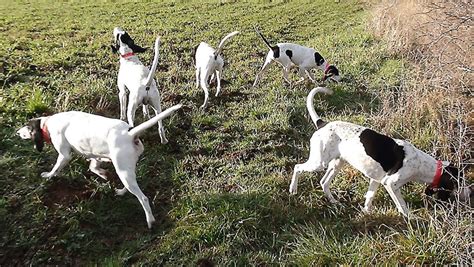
(137, 79)
(209, 65)
(98, 139)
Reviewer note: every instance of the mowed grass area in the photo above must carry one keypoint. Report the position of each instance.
(219, 189)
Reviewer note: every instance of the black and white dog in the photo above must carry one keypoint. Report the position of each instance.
(100, 140)
(386, 161)
(209, 64)
(305, 58)
(137, 79)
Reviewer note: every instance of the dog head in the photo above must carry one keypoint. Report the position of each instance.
(124, 43)
(33, 131)
(448, 185)
(332, 73)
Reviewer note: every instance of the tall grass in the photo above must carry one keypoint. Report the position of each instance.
(433, 107)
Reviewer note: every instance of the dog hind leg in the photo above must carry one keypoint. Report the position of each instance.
(204, 85)
(94, 166)
(157, 108)
(265, 66)
(125, 168)
(132, 108)
(218, 76)
(335, 166)
(122, 100)
(308, 166)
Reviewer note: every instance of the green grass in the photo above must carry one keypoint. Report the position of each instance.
(219, 189)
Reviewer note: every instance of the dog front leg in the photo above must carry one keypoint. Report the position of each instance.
(393, 189)
(285, 75)
(369, 196)
(218, 76)
(62, 160)
(310, 75)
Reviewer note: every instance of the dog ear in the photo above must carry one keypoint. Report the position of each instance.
(126, 39)
(114, 49)
(36, 134)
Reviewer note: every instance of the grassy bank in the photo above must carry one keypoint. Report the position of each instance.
(219, 189)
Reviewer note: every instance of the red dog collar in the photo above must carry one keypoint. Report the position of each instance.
(438, 173)
(45, 133)
(128, 55)
(327, 68)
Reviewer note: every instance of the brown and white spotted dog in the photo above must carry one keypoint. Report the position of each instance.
(305, 58)
(384, 160)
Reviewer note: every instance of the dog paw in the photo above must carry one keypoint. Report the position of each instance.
(366, 210)
(150, 222)
(46, 175)
(164, 141)
(121, 192)
(293, 190)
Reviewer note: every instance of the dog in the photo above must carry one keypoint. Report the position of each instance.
(209, 64)
(386, 161)
(305, 58)
(137, 79)
(99, 139)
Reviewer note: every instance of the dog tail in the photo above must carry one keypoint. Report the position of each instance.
(221, 44)
(264, 39)
(149, 123)
(309, 105)
(155, 62)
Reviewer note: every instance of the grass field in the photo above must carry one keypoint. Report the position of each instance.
(219, 189)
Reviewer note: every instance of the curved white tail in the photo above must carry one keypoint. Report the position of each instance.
(309, 103)
(221, 44)
(155, 62)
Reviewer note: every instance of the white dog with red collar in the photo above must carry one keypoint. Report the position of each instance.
(137, 79)
(305, 58)
(100, 140)
(386, 161)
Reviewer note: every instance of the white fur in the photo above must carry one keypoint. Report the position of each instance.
(209, 62)
(99, 139)
(338, 143)
(135, 77)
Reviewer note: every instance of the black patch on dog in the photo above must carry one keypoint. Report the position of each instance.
(289, 53)
(126, 39)
(318, 59)
(320, 124)
(383, 149)
(331, 71)
(276, 51)
(36, 134)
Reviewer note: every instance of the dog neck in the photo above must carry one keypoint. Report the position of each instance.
(44, 131)
(438, 173)
(326, 69)
(127, 55)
